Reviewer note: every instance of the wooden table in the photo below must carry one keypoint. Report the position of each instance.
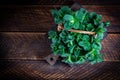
(24, 43)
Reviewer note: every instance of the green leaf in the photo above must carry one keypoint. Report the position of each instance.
(100, 35)
(67, 26)
(99, 58)
(60, 14)
(101, 25)
(98, 17)
(80, 14)
(81, 60)
(68, 17)
(76, 25)
(100, 29)
(54, 12)
(92, 14)
(82, 26)
(61, 49)
(54, 48)
(72, 49)
(89, 27)
(57, 20)
(77, 51)
(66, 10)
(64, 54)
(69, 43)
(54, 40)
(63, 34)
(87, 19)
(79, 37)
(96, 40)
(68, 60)
(85, 45)
(93, 62)
(73, 34)
(96, 46)
(52, 34)
(107, 23)
(70, 37)
(86, 38)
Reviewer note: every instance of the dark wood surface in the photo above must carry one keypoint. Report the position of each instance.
(24, 44)
(38, 18)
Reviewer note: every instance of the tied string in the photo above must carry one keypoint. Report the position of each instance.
(60, 27)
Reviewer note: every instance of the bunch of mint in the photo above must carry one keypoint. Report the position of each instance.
(77, 48)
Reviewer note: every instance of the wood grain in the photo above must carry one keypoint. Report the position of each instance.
(24, 43)
(98, 2)
(47, 2)
(42, 70)
(38, 18)
(24, 46)
(35, 46)
(36, 2)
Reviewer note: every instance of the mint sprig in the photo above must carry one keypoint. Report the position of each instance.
(77, 48)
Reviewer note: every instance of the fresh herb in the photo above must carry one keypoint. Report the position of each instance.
(77, 48)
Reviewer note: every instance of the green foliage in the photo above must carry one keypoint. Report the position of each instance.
(76, 48)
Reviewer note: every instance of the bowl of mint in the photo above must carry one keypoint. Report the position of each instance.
(78, 35)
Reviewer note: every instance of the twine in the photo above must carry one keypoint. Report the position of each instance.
(60, 27)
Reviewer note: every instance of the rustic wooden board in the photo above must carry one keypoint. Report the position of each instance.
(46, 2)
(98, 2)
(35, 46)
(38, 18)
(24, 43)
(42, 70)
(36, 2)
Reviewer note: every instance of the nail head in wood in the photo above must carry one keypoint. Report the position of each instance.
(51, 59)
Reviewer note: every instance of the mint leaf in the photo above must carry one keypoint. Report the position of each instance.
(81, 60)
(107, 23)
(77, 51)
(85, 38)
(80, 14)
(96, 46)
(76, 25)
(98, 17)
(89, 27)
(72, 49)
(100, 35)
(52, 34)
(54, 12)
(57, 20)
(67, 26)
(68, 17)
(66, 10)
(85, 45)
(79, 37)
(82, 26)
(92, 15)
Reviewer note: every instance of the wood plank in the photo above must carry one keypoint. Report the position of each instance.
(98, 2)
(38, 18)
(111, 47)
(35, 46)
(46, 2)
(36, 2)
(24, 46)
(42, 70)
